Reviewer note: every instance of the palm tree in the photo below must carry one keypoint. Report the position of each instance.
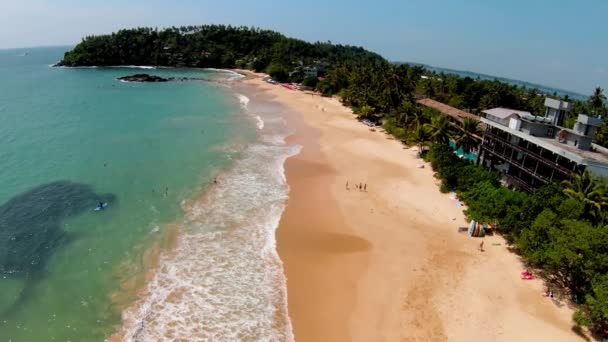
(420, 138)
(366, 111)
(438, 129)
(428, 88)
(416, 118)
(468, 135)
(596, 101)
(590, 191)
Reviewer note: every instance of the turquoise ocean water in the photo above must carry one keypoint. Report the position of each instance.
(70, 138)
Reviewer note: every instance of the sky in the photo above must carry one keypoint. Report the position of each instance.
(558, 43)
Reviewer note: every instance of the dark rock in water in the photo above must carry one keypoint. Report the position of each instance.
(31, 224)
(143, 78)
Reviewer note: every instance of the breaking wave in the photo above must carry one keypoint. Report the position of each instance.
(224, 280)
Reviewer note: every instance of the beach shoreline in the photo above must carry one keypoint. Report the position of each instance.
(219, 277)
(387, 264)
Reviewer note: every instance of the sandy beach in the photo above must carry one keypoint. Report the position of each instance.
(388, 264)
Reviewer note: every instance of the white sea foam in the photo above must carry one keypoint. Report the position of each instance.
(244, 100)
(224, 280)
(133, 66)
(259, 122)
(233, 74)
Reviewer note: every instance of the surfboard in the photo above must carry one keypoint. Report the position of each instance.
(99, 208)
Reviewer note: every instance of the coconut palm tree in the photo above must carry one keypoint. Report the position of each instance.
(588, 190)
(366, 111)
(438, 129)
(429, 88)
(420, 138)
(468, 135)
(596, 100)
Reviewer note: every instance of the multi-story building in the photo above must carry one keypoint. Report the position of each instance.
(531, 151)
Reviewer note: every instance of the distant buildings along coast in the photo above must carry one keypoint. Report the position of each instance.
(528, 85)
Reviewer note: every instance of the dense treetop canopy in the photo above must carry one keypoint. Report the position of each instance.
(216, 46)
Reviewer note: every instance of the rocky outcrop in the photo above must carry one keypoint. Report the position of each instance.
(153, 78)
(143, 78)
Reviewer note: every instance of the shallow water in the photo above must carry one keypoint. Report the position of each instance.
(223, 280)
(144, 148)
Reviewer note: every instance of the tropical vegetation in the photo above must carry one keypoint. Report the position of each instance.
(213, 46)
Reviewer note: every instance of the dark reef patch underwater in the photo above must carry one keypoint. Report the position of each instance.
(31, 230)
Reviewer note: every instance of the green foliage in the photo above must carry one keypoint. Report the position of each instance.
(535, 239)
(374, 83)
(595, 313)
(468, 136)
(591, 192)
(421, 138)
(393, 128)
(310, 81)
(439, 129)
(365, 111)
(596, 100)
(278, 72)
(296, 76)
(218, 46)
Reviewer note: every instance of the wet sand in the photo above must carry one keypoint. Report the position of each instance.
(387, 264)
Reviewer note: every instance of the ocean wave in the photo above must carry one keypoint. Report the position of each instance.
(234, 75)
(243, 100)
(134, 66)
(71, 67)
(259, 122)
(224, 279)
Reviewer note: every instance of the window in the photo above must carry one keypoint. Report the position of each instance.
(550, 132)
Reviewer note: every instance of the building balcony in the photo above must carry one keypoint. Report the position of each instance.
(549, 163)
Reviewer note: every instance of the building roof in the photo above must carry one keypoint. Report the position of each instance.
(564, 150)
(447, 110)
(503, 113)
(557, 104)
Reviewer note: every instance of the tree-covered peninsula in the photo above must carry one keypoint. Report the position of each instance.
(208, 46)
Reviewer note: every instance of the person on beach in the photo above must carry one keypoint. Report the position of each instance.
(365, 187)
(347, 186)
(481, 246)
(360, 186)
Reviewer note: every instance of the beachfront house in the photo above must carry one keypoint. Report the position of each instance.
(531, 150)
(312, 71)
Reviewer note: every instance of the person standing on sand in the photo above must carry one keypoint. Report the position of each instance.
(481, 246)
(365, 187)
(347, 186)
